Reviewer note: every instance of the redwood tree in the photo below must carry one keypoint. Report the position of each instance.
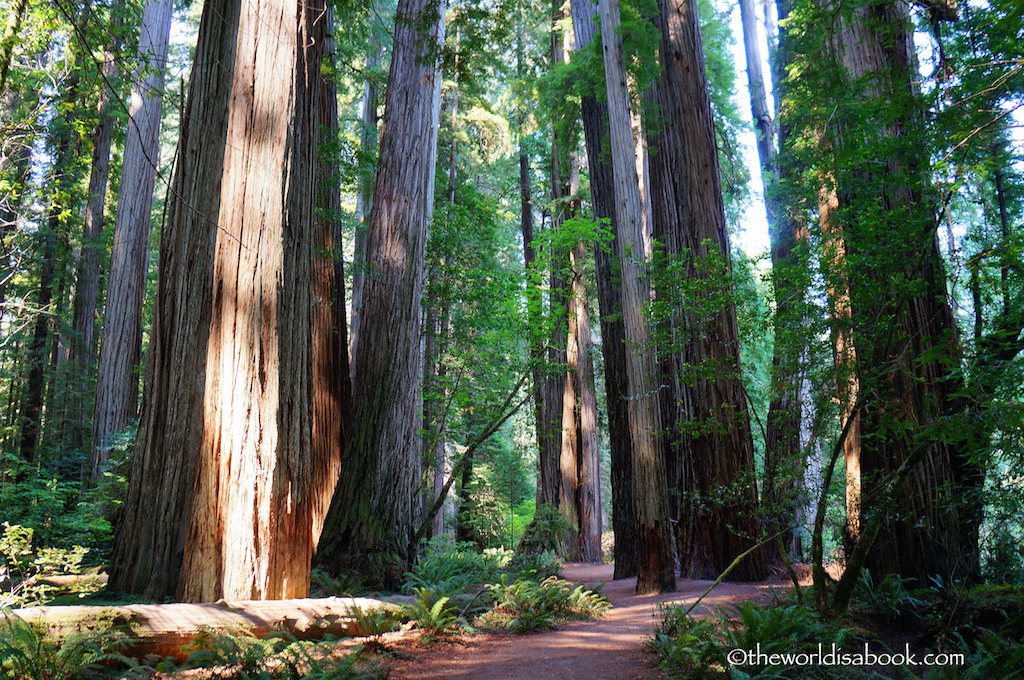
(222, 489)
(370, 524)
(718, 516)
(655, 567)
(920, 476)
(117, 382)
(613, 341)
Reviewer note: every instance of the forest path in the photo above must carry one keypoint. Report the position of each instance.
(610, 648)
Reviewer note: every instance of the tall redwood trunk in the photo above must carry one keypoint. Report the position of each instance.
(613, 339)
(370, 524)
(655, 566)
(39, 349)
(719, 512)
(82, 346)
(907, 354)
(224, 486)
(117, 381)
(784, 458)
(332, 385)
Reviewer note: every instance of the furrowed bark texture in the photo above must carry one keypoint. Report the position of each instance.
(222, 492)
(613, 341)
(371, 520)
(332, 385)
(117, 382)
(587, 500)
(655, 566)
(82, 345)
(907, 351)
(719, 513)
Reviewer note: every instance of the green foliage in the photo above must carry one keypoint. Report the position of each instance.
(23, 569)
(691, 647)
(527, 605)
(277, 656)
(51, 506)
(686, 647)
(27, 652)
(450, 567)
(434, 615)
(889, 598)
(375, 622)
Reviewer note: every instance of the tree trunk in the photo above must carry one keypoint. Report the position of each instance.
(332, 384)
(613, 340)
(719, 514)
(224, 487)
(117, 381)
(364, 193)
(82, 347)
(371, 521)
(38, 349)
(784, 458)
(587, 501)
(15, 157)
(10, 38)
(655, 567)
(906, 347)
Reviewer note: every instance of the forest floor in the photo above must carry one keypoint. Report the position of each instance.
(610, 648)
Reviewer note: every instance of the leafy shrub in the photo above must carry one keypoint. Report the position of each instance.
(52, 507)
(433, 614)
(28, 653)
(783, 629)
(688, 647)
(990, 655)
(449, 567)
(526, 605)
(23, 569)
(889, 598)
(243, 656)
(537, 566)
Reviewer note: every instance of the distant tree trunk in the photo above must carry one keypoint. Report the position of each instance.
(15, 157)
(719, 517)
(10, 38)
(39, 348)
(82, 347)
(547, 424)
(224, 485)
(370, 523)
(912, 408)
(332, 384)
(587, 500)
(117, 381)
(613, 340)
(788, 236)
(563, 351)
(364, 193)
(655, 566)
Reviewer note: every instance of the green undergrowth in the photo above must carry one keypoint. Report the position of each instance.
(458, 589)
(29, 652)
(526, 605)
(976, 633)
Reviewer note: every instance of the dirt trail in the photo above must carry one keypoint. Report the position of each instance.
(610, 648)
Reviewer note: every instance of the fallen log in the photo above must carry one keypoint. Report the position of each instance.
(164, 630)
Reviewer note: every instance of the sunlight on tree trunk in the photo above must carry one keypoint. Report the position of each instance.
(222, 491)
(655, 566)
